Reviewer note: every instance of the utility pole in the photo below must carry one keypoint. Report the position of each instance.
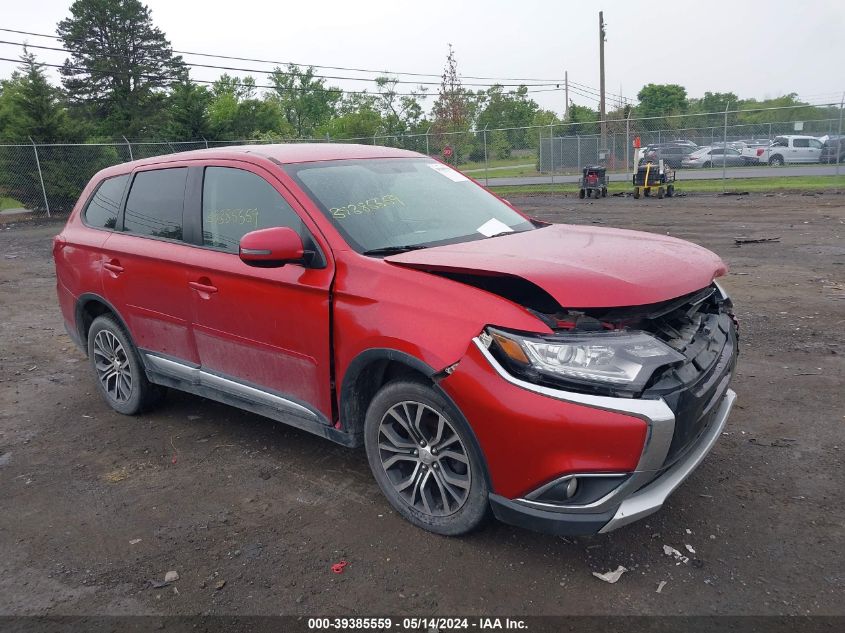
(602, 111)
(566, 93)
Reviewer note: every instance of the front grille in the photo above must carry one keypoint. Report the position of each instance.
(705, 334)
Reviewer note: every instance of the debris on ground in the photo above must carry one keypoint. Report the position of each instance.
(338, 567)
(219, 585)
(755, 240)
(689, 548)
(735, 193)
(611, 576)
(660, 586)
(134, 541)
(671, 551)
(171, 576)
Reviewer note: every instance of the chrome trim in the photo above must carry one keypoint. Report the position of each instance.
(656, 413)
(595, 506)
(651, 498)
(197, 376)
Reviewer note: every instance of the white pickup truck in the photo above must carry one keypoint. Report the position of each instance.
(792, 148)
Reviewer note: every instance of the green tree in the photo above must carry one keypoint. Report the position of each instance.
(513, 109)
(235, 112)
(30, 107)
(304, 100)
(400, 114)
(358, 116)
(187, 108)
(119, 66)
(661, 100)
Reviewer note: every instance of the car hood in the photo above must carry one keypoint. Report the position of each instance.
(581, 267)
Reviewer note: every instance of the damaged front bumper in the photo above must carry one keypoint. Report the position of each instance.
(640, 486)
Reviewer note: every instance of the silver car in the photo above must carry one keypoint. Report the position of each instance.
(714, 157)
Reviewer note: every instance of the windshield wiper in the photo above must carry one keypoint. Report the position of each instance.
(393, 250)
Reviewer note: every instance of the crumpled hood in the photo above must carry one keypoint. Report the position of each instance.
(581, 267)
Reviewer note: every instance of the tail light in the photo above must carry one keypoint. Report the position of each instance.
(760, 151)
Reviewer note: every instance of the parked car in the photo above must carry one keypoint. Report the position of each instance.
(714, 157)
(792, 148)
(833, 150)
(670, 153)
(376, 297)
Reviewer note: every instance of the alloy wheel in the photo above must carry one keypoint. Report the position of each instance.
(112, 365)
(424, 458)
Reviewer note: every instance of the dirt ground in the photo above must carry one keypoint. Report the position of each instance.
(251, 514)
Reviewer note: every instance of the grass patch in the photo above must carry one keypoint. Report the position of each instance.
(778, 183)
(9, 203)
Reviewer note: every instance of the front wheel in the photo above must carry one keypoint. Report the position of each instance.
(425, 459)
(581, 193)
(776, 161)
(121, 380)
(707, 165)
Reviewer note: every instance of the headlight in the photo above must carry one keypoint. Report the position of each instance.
(614, 359)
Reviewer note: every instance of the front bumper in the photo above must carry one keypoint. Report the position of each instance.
(560, 425)
(641, 503)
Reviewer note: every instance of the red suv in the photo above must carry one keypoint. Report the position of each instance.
(568, 378)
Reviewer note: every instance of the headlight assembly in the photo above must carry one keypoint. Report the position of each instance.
(621, 360)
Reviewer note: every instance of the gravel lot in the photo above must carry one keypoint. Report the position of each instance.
(251, 514)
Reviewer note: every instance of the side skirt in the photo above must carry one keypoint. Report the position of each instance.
(169, 372)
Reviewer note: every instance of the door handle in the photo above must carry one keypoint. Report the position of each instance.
(113, 267)
(203, 288)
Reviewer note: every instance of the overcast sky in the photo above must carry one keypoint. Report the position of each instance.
(754, 49)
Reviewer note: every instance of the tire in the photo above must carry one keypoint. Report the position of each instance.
(776, 161)
(660, 193)
(125, 388)
(670, 191)
(707, 165)
(581, 193)
(636, 193)
(448, 492)
(604, 192)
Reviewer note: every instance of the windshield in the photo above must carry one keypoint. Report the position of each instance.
(399, 203)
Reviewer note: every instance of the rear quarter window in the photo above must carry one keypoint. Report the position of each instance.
(101, 210)
(155, 203)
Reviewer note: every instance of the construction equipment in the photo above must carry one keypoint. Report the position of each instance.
(593, 181)
(650, 176)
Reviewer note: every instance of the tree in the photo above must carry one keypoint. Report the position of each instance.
(453, 113)
(662, 100)
(235, 112)
(304, 100)
(357, 117)
(30, 107)
(188, 110)
(119, 65)
(399, 114)
(500, 109)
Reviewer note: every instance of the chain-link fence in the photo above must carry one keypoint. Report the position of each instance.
(48, 178)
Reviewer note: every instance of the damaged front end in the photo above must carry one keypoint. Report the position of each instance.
(681, 351)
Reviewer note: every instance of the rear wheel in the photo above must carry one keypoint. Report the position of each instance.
(604, 192)
(670, 191)
(425, 460)
(636, 193)
(707, 165)
(776, 161)
(581, 193)
(121, 380)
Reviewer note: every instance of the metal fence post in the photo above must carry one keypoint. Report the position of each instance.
(40, 176)
(725, 147)
(578, 159)
(486, 177)
(205, 141)
(427, 150)
(839, 140)
(552, 149)
(129, 146)
(628, 142)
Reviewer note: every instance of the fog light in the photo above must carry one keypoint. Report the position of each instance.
(571, 487)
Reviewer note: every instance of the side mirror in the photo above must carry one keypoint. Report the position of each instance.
(273, 247)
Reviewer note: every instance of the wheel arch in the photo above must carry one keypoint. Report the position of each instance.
(89, 306)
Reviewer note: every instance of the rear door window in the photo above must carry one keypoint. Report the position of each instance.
(101, 212)
(235, 202)
(801, 142)
(155, 203)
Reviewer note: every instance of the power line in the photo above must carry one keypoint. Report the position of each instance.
(263, 86)
(546, 81)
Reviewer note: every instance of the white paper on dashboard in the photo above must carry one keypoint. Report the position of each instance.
(451, 174)
(494, 227)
